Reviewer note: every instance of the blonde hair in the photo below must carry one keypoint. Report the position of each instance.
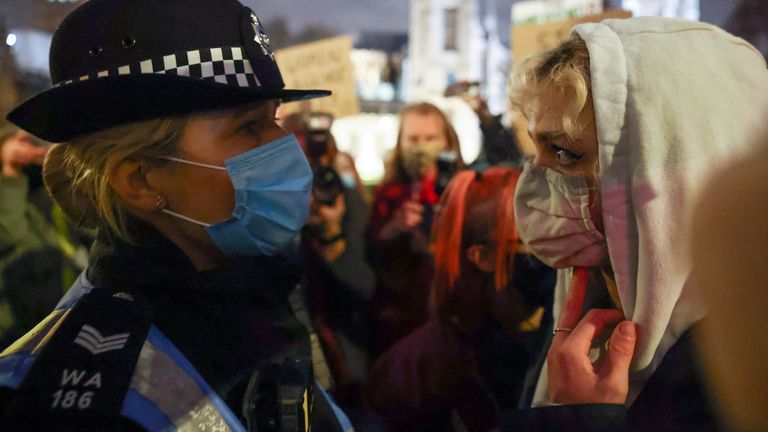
(562, 71)
(77, 173)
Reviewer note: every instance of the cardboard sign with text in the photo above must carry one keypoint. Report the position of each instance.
(323, 65)
(531, 38)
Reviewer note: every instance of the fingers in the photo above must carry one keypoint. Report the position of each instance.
(412, 214)
(412, 220)
(412, 207)
(574, 303)
(38, 155)
(23, 153)
(339, 204)
(591, 326)
(620, 351)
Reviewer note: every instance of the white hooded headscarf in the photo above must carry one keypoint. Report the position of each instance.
(673, 99)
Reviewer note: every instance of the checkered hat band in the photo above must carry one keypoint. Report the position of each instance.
(226, 65)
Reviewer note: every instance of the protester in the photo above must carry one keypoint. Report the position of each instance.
(304, 126)
(36, 259)
(186, 315)
(469, 360)
(339, 281)
(728, 250)
(628, 117)
(401, 218)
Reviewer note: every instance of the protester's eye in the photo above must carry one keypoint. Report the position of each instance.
(564, 156)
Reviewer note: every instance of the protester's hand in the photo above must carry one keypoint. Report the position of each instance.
(573, 378)
(17, 151)
(330, 216)
(407, 218)
(473, 99)
(327, 217)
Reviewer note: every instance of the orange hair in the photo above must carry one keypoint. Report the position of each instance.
(476, 208)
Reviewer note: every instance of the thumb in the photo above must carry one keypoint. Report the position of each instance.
(621, 349)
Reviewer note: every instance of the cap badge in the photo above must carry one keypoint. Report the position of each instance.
(261, 37)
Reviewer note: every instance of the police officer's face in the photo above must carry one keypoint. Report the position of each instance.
(208, 195)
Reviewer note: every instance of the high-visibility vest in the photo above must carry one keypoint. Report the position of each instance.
(98, 355)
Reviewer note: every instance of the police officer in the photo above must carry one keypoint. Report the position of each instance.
(186, 317)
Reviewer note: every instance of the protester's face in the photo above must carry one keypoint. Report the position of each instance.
(424, 134)
(206, 194)
(557, 151)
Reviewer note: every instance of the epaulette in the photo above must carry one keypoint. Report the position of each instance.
(100, 357)
(85, 358)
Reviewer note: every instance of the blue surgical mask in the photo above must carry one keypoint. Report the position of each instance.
(348, 180)
(273, 184)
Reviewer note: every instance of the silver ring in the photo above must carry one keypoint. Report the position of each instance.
(559, 329)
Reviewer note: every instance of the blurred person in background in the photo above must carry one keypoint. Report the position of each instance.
(339, 281)
(487, 322)
(39, 257)
(499, 142)
(629, 118)
(747, 20)
(401, 219)
(304, 125)
(729, 249)
(186, 317)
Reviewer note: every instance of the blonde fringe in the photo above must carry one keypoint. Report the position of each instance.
(562, 72)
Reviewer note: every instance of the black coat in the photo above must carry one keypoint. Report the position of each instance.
(675, 398)
(227, 322)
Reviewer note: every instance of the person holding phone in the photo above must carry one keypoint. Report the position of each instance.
(401, 219)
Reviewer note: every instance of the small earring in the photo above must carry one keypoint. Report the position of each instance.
(160, 203)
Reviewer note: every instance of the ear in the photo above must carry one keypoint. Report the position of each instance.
(128, 179)
(478, 255)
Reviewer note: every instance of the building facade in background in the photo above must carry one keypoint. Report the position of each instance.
(688, 9)
(455, 40)
(543, 11)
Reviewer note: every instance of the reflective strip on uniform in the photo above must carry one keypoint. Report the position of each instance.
(341, 416)
(165, 378)
(145, 412)
(16, 360)
(36, 338)
(81, 287)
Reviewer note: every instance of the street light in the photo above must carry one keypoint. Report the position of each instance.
(11, 39)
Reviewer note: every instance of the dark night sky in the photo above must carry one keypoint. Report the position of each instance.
(353, 16)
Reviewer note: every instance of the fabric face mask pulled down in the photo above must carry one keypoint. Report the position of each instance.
(272, 186)
(552, 214)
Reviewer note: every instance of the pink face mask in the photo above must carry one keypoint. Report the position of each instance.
(552, 216)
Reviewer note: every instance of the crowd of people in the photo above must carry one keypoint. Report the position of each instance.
(185, 258)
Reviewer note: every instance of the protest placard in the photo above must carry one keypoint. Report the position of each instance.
(325, 65)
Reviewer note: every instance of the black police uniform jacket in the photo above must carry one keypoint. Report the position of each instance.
(143, 341)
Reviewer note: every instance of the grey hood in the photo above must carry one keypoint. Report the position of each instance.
(673, 100)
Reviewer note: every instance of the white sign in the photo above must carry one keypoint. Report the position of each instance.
(542, 11)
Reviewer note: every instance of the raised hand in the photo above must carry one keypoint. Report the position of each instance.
(573, 378)
(18, 151)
